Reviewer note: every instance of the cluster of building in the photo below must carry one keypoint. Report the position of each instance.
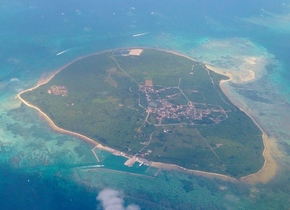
(162, 109)
(57, 90)
(168, 110)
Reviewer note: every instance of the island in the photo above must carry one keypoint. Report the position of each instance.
(152, 106)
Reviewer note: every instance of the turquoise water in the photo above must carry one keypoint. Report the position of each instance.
(43, 169)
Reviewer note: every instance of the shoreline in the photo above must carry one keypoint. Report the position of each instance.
(262, 175)
(270, 166)
(61, 130)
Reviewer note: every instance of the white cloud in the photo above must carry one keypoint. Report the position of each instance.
(113, 200)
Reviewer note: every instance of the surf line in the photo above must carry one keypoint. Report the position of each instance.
(62, 52)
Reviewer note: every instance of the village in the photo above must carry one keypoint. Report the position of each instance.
(57, 90)
(165, 112)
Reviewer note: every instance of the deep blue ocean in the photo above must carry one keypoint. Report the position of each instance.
(43, 169)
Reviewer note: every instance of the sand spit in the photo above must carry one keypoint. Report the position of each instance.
(267, 172)
(236, 77)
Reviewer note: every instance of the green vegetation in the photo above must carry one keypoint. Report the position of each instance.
(182, 118)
